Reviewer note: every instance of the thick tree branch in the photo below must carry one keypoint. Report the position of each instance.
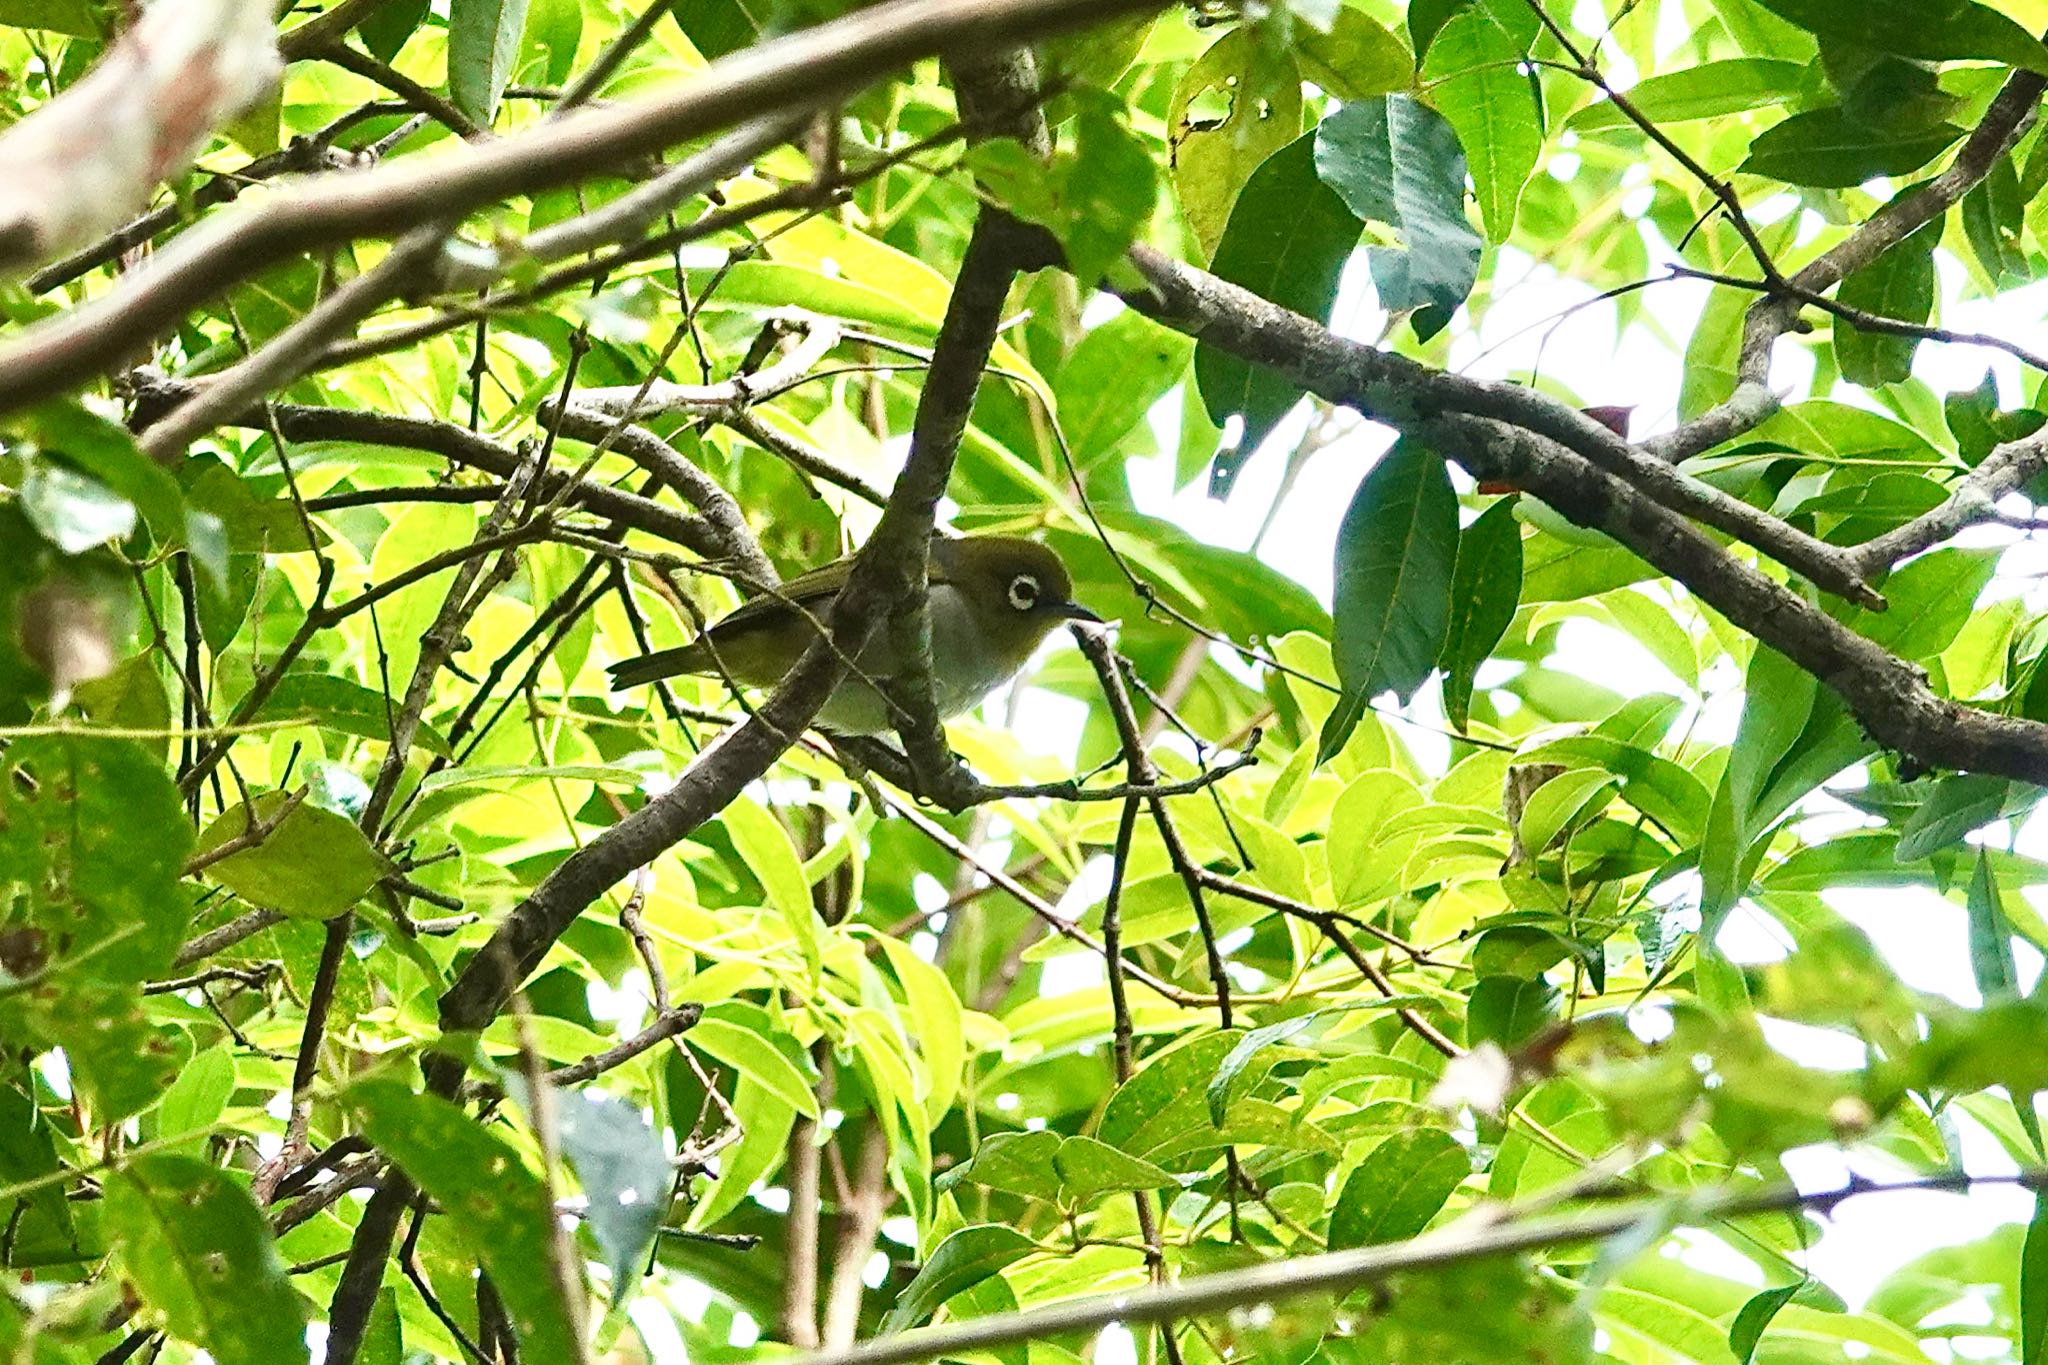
(1516, 442)
(801, 71)
(1404, 393)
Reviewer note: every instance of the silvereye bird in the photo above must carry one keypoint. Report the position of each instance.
(993, 600)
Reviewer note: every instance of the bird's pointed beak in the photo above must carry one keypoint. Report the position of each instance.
(1074, 611)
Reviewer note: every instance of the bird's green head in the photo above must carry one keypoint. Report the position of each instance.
(1017, 590)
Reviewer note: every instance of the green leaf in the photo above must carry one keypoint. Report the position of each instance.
(1748, 1327)
(1486, 588)
(1357, 58)
(1508, 1010)
(1167, 1100)
(1399, 163)
(1016, 1163)
(201, 1254)
(1832, 148)
(1709, 90)
(313, 864)
(1398, 1188)
(1239, 1057)
(105, 451)
(1287, 241)
(195, 1100)
(335, 703)
(1095, 195)
(483, 49)
(1991, 956)
(1396, 551)
(497, 1209)
(765, 846)
(2033, 1342)
(1930, 600)
(625, 1174)
(963, 1260)
(1994, 215)
(92, 839)
(1927, 30)
(1900, 284)
(79, 18)
(728, 1037)
(1958, 805)
(385, 29)
(1113, 378)
(1089, 1169)
(1473, 80)
(1237, 104)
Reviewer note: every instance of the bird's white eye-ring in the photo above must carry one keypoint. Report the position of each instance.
(1024, 592)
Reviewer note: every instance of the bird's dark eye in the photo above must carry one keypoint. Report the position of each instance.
(1023, 592)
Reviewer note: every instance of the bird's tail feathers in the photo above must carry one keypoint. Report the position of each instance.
(666, 663)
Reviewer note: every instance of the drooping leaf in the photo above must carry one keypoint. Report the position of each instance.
(1474, 82)
(1396, 554)
(498, 1209)
(483, 50)
(196, 1247)
(1399, 163)
(962, 1261)
(1287, 240)
(1486, 588)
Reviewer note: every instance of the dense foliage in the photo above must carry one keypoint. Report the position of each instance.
(1536, 930)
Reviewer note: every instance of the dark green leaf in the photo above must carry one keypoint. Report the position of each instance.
(1398, 1188)
(1508, 1010)
(1991, 956)
(1901, 285)
(201, 1254)
(1486, 588)
(385, 31)
(496, 1207)
(1832, 148)
(1748, 1327)
(962, 1261)
(1994, 215)
(1398, 162)
(1287, 240)
(1927, 30)
(1396, 552)
(483, 49)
